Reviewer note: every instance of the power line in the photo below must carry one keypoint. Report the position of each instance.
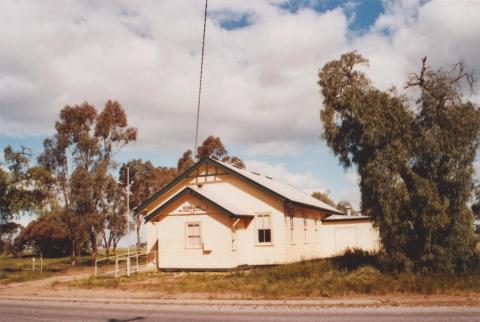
(201, 75)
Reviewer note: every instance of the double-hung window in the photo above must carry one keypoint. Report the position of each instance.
(264, 229)
(194, 237)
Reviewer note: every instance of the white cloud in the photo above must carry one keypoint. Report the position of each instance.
(260, 81)
(304, 181)
(273, 148)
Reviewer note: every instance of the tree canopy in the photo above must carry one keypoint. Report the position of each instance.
(415, 160)
(214, 148)
(80, 155)
(324, 197)
(23, 188)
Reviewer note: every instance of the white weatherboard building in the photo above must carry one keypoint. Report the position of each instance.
(218, 216)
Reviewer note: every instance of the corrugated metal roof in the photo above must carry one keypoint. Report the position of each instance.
(345, 217)
(284, 189)
(205, 192)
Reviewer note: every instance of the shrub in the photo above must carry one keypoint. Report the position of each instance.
(354, 258)
(47, 235)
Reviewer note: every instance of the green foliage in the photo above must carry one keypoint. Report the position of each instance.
(7, 232)
(80, 156)
(214, 148)
(415, 162)
(48, 235)
(352, 259)
(23, 188)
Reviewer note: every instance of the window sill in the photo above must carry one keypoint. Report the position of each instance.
(264, 245)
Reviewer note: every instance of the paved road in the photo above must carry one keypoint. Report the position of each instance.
(15, 310)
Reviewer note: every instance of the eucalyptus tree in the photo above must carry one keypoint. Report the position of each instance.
(81, 156)
(415, 160)
(23, 188)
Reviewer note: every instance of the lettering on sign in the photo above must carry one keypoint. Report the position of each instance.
(192, 208)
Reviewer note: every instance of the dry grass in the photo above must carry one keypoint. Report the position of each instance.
(299, 280)
(19, 269)
(13, 269)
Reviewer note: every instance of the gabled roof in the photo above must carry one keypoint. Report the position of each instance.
(205, 194)
(281, 190)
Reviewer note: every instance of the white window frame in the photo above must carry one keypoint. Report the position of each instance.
(292, 229)
(316, 230)
(187, 235)
(257, 220)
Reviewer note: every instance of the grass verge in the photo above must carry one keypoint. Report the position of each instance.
(312, 279)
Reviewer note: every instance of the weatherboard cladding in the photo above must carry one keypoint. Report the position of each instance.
(282, 190)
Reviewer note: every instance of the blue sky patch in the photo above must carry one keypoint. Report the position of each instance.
(363, 12)
(232, 20)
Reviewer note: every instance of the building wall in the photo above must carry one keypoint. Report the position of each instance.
(306, 242)
(339, 235)
(215, 230)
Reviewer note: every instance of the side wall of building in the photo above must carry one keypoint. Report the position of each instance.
(337, 236)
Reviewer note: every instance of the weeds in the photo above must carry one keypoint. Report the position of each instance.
(312, 279)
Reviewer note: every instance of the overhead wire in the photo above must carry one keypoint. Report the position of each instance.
(201, 78)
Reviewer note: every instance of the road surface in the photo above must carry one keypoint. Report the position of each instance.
(18, 310)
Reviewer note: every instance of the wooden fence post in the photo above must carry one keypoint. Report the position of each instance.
(116, 267)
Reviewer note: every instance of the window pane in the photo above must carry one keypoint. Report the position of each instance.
(266, 222)
(268, 236)
(194, 241)
(264, 235)
(196, 230)
(261, 236)
(260, 222)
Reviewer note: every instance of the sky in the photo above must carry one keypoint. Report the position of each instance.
(260, 92)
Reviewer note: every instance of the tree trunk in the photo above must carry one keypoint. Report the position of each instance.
(93, 241)
(107, 244)
(114, 248)
(73, 258)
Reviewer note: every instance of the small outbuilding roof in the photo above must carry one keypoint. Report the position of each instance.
(345, 218)
(205, 194)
